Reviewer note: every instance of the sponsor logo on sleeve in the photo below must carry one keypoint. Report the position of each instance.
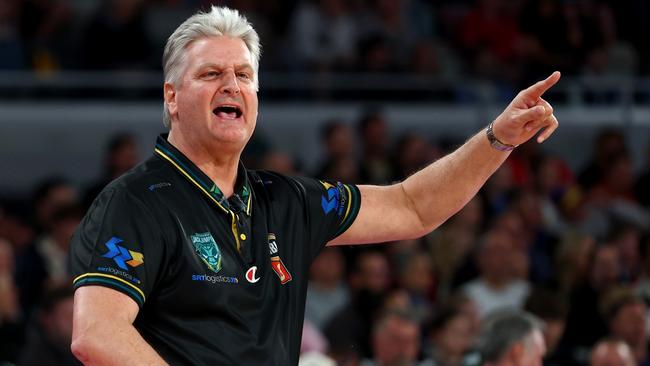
(121, 255)
(333, 200)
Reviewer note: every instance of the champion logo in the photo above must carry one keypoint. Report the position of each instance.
(250, 275)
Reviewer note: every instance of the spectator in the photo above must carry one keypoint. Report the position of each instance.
(369, 282)
(572, 260)
(643, 182)
(11, 325)
(395, 341)
(325, 35)
(45, 263)
(120, 156)
(511, 338)
(451, 244)
(312, 339)
(550, 307)
(50, 195)
(496, 287)
(611, 352)
(626, 316)
(451, 336)
(416, 276)
(338, 145)
(604, 270)
(375, 164)
(627, 239)
(412, 153)
(327, 293)
(608, 144)
(279, 162)
(48, 342)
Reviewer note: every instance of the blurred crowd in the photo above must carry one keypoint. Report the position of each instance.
(510, 41)
(570, 246)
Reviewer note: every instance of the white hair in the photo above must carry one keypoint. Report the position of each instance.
(219, 21)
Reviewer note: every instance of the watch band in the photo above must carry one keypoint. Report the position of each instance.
(494, 141)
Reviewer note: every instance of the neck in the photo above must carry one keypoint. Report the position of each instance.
(219, 166)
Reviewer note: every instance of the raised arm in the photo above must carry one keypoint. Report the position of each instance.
(103, 332)
(425, 200)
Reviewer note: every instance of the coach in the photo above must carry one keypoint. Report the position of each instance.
(192, 259)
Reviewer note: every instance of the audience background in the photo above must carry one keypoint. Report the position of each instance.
(568, 244)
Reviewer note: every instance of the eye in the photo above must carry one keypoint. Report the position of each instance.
(211, 74)
(243, 75)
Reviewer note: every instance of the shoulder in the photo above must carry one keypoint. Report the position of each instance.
(277, 183)
(135, 187)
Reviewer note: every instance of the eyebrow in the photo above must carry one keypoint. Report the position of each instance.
(213, 65)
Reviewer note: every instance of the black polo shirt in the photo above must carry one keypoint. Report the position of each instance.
(219, 281)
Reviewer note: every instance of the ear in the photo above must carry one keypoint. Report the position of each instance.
(170, 98)
(516, 353)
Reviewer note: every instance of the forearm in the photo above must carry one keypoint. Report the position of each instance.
(107, 343)
(440, 190)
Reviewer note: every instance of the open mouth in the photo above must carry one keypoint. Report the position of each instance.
(227, 112)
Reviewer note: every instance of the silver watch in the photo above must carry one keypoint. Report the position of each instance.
(494, 141)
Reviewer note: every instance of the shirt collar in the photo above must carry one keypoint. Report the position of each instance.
(186, 167)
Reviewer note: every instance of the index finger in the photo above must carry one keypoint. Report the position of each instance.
(539, 88)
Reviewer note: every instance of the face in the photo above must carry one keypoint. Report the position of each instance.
(534, 351)
(606, 267)
(398, 342)
(374, 272)
(457, 336)
(629, 323)
(59, 322)
(214, 104)
(612, 354)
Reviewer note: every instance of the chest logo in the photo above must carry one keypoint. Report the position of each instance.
(273, 245)
(207, 249)
(280, 270)
(250, 275)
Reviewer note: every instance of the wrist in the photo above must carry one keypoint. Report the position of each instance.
(495, 143)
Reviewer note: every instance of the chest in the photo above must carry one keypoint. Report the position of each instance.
(219, 258)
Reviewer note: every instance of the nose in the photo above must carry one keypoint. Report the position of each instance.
(229, 83)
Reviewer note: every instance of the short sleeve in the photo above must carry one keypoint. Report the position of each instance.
(118, 245)
(332, 207)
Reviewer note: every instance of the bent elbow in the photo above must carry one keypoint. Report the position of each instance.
(81, 347)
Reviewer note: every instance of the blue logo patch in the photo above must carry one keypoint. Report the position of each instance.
(121, 255)
(153, 187)
(208, 250)
(334, 200)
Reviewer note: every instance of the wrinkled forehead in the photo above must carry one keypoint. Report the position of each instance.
(221, 51)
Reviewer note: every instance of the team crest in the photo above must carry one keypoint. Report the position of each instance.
(208, 250)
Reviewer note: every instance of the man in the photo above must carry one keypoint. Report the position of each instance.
(191, 259)
(496, 287)
(49, 339)
(395, 341)
(511, 338)
(612, 352)
(626, 316)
